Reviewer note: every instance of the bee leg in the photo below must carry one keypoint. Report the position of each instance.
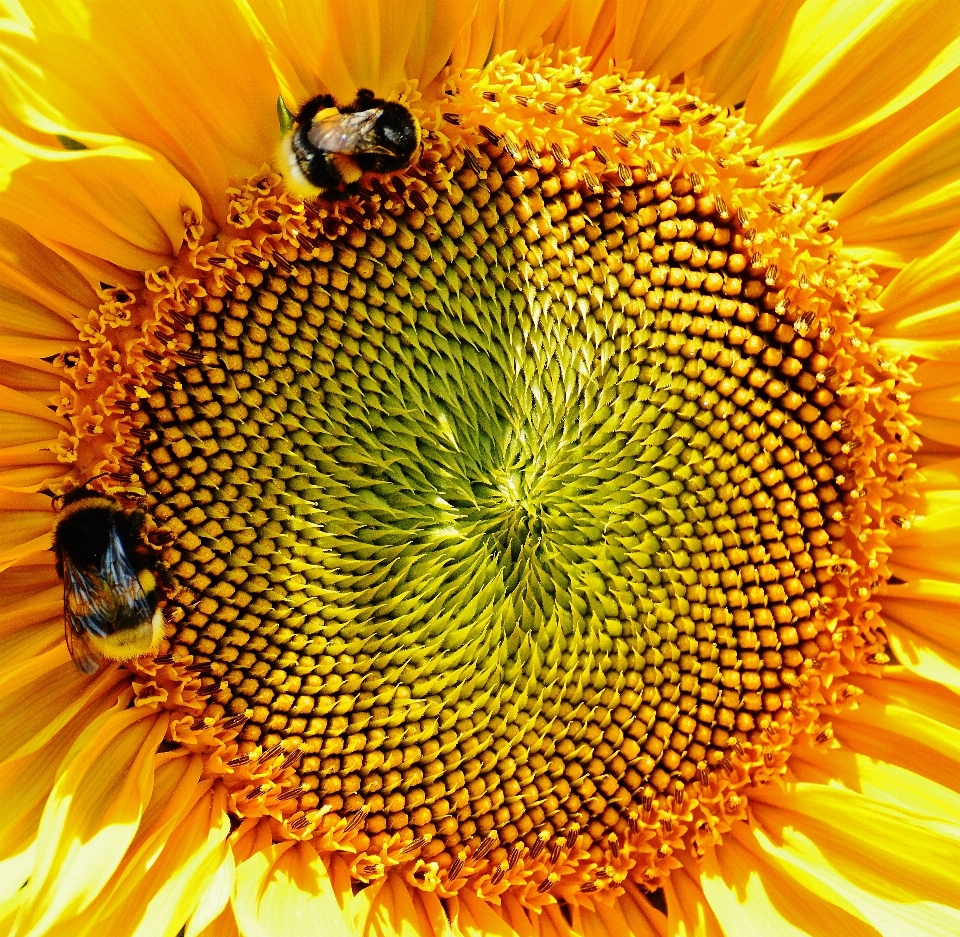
(320, 103)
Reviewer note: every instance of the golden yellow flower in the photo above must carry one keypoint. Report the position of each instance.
(555, 537)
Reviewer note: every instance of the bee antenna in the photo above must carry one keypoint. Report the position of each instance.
(95, 477)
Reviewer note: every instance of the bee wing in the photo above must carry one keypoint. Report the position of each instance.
(83, 654)
(85, 599)
(130, 605)
(83, 613)
(345, 133)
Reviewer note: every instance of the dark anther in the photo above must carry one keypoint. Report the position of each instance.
(270, 753)
(484, 848)
(357, 820)
(418, 843)
(419, 200)
(473, 162)
(539, 845)
(548, 883)
(491, 135)
(292, 759)
(452, 118)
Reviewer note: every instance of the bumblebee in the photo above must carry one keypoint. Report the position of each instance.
(328, 148)
(110, 587)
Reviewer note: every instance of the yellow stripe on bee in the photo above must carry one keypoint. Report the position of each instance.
(347, 167)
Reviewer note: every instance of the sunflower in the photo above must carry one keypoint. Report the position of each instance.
(554, 536)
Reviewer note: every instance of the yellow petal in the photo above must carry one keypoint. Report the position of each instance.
(923, 550)
(27, 779)
(750, 894)
(905, 720)
(120, 201)
(908, 203)
(921, 306)
(475, 918)
(284, 891)
(667, 38)
(921, 621)
(908, 787)
(28, 430)
(729, 70)
(158, 885)
(214, 897)
(517, 915)
(91, 816)
(588, 25)
(936, 404)
(436, 33)
(892, 754)
(324, 45)
(846, 66)
(631, 914)
(224, 926)
(157, 76)
(42, 295)
(58, 693)
(398, 910)
(837, 167)
(891, 867)
(31, 622)
(14, 871)
(474, 46)
(688, 912)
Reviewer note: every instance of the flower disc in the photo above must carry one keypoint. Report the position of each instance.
(526, 495)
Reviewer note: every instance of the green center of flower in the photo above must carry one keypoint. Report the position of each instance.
(526, 496)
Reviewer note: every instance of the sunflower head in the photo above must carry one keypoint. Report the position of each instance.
(492, 503)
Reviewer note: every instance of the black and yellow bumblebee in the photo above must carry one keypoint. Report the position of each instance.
(328, 147)
(110, 588)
